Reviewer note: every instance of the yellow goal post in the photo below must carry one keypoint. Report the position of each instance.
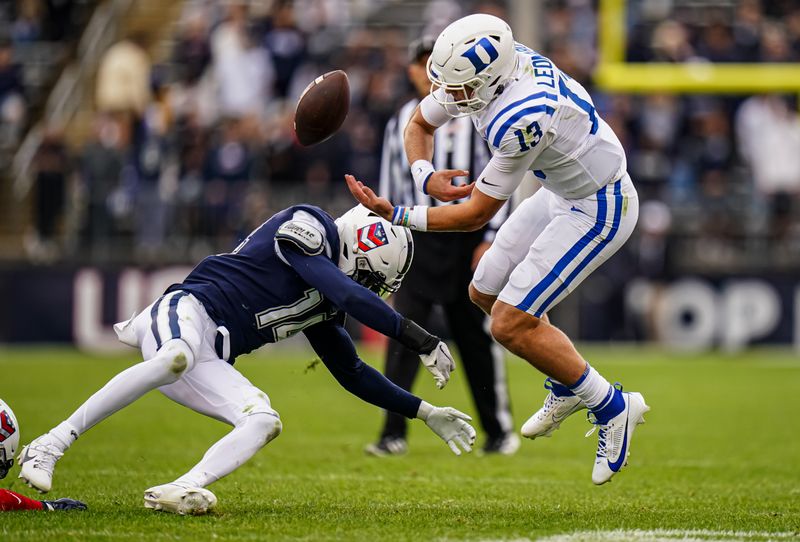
(614, 74)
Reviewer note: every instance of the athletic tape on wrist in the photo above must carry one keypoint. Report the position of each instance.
(414, 218)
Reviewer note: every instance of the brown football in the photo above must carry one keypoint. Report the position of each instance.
(322, 108)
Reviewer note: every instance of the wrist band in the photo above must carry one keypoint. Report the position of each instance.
(415, 218)
(416, 338)
(422, 170)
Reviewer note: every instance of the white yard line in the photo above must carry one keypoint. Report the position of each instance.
(670, 535)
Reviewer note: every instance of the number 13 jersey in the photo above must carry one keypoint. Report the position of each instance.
(544, 121)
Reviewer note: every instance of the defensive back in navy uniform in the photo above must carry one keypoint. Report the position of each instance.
(254, 291)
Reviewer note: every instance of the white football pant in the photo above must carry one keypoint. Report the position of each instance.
(177, 339)
(549, 245)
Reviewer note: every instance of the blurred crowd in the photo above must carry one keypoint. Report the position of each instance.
(34, 36)
(190, 152)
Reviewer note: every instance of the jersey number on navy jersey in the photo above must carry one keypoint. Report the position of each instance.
(287, 320)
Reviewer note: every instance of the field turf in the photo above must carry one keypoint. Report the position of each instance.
(718, 459)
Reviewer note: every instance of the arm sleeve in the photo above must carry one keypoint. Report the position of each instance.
(432, 111)
(349, 296)
(10, 501)
(333, 345)
(502, 175)
(518, 146)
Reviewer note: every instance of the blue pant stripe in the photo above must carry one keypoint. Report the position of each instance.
(595, 251)
(174, 328)
(571, 254)
(154, 322)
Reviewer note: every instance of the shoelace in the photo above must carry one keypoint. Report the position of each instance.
(602, 432)
(49, 455)
(549, 404)
(550, 401)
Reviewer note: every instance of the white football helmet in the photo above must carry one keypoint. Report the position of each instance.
(474, 55)
(373, 252)
(9, 438)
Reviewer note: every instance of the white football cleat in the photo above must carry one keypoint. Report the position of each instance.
(37, 462)
(178, 499)
(555, 410)
(614, 438)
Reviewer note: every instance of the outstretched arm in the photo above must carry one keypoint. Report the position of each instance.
(11, 501)
(469, 216)
(333, 345)
(369, 309)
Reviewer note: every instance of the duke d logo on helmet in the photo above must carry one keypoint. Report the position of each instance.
(6, 426)
(372, 236)
(476, 58)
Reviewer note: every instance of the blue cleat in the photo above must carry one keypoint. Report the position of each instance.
(614, 437)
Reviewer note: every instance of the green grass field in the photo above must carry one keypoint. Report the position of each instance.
(718, 459)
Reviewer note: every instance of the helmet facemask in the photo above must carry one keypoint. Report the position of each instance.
(5, 463)
(473, 100)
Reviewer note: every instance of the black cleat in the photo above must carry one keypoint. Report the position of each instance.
(506, 444)
(387, 446)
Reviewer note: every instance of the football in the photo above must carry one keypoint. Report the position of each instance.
(322, 108)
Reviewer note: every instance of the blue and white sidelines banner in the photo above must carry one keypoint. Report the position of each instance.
(80, 305)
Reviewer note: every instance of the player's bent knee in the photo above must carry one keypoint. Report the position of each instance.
(484, 301)
(174, 359)
(265, 427)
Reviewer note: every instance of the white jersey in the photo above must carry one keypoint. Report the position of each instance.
(544, 121)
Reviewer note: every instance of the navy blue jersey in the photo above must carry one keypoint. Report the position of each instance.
(266, 290)
(273, 285)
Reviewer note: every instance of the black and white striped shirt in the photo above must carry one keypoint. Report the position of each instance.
(456, 145)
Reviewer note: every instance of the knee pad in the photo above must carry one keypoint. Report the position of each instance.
(175, 357)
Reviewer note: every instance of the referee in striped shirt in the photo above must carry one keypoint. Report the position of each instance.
(442, 269)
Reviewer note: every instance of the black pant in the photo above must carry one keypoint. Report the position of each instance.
(481, 361)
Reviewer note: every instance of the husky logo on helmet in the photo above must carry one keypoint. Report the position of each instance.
(6, 426)
(372, 236)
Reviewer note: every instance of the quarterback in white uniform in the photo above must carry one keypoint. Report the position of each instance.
(535, 118)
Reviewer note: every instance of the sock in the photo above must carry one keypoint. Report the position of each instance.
(602, 399)
(165, 368)
(558, 389)
(64, 434)
(232, 450)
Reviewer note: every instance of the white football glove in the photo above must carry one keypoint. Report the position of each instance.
(450, 424)
(440, 363)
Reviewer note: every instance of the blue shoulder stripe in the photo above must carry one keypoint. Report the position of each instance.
(509, 107)
(515, 117)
